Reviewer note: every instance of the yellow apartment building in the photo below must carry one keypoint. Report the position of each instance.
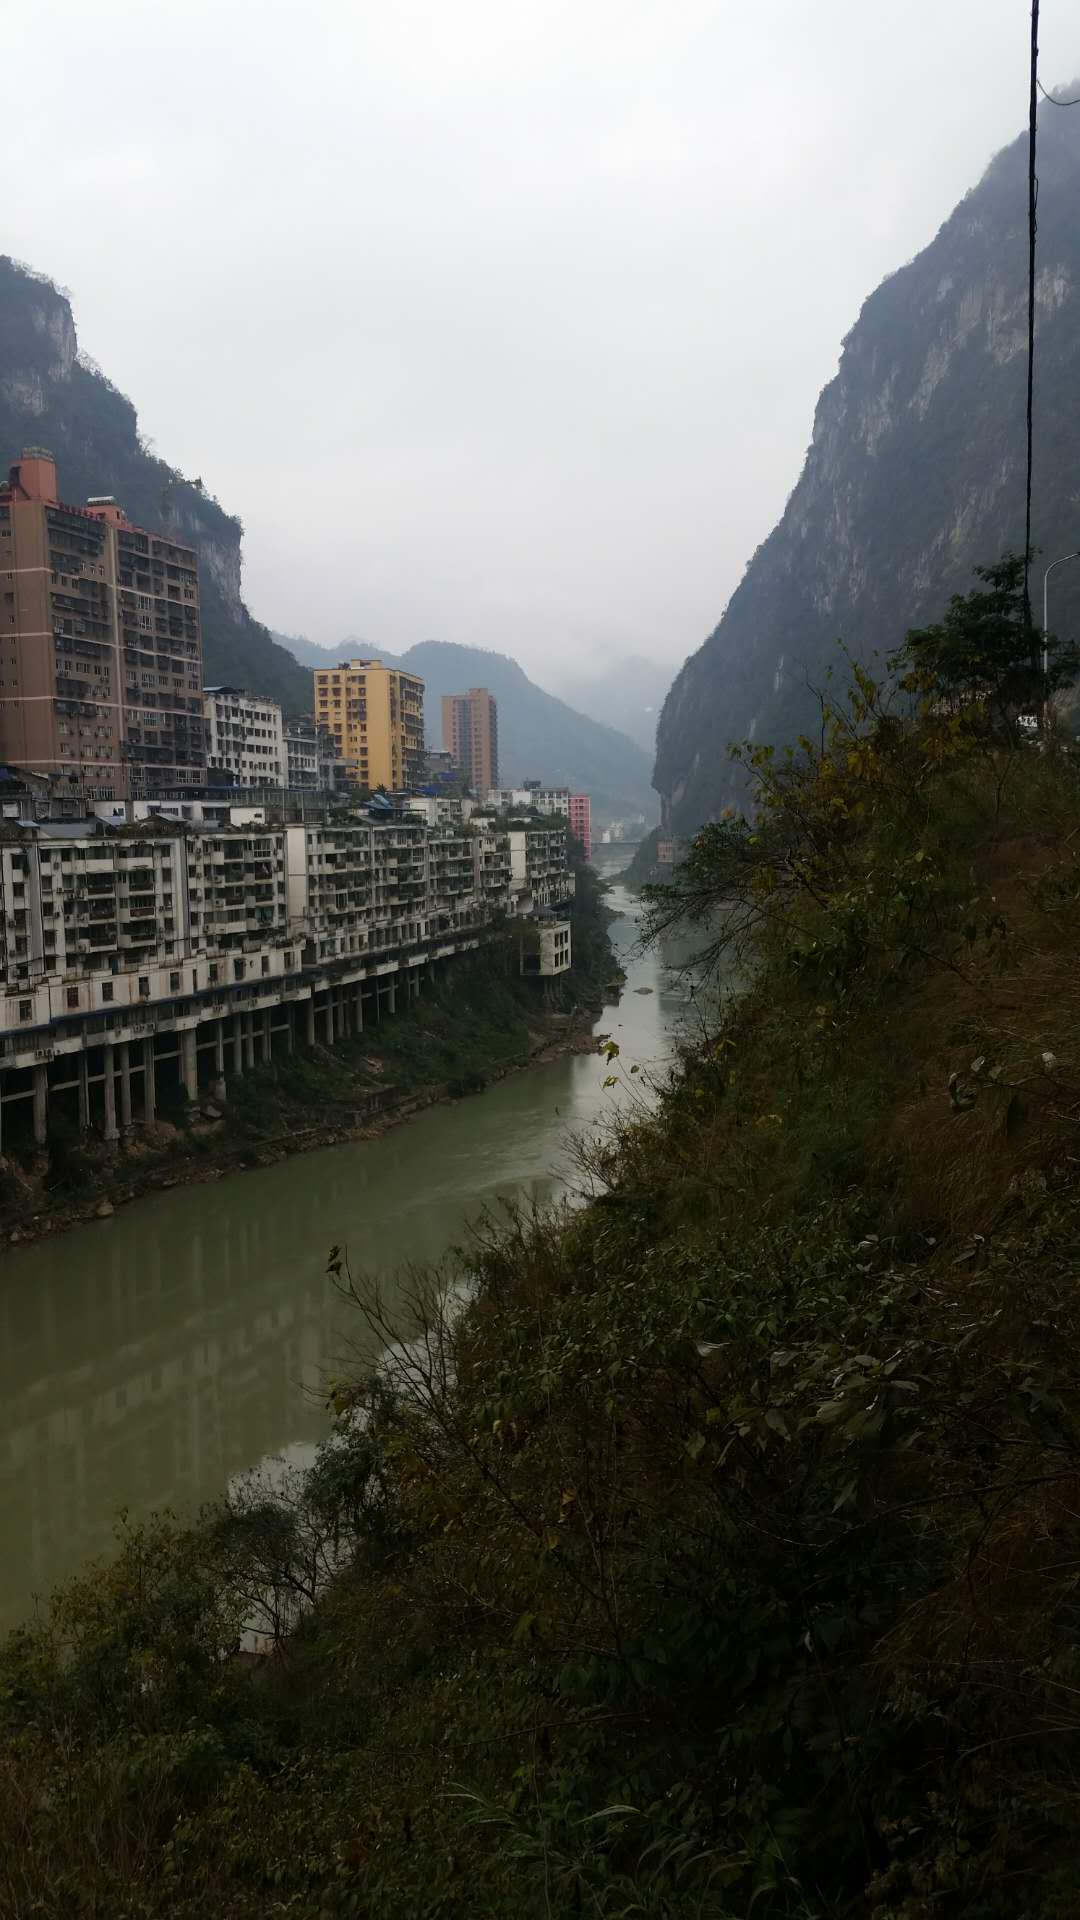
(376, 715)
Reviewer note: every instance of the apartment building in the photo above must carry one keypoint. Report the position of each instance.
(313, 762)
(546, 949)
(163, 953)
(376, 715)
(539, 876)
(470, 734)
(245, 738)
(437, 809)
(531, 798)
(100, 641)
(581, 821)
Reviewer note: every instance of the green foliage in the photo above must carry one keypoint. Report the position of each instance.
(709, 1549)
(986, 649)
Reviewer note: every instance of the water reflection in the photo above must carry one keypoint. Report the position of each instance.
(147, 1360)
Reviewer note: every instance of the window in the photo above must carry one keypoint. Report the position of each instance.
(106, 990)
(212, 973)
(238, 969)
(144, 987)
(265, 964)
(73, 996)
(288, 960)
(174, 983)
(26, 1009)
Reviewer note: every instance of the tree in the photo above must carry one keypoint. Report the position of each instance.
(986, 649)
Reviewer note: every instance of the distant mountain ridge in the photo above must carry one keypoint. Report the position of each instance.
(50, 396)
(540, 736)
(629, 692)
(915, 474)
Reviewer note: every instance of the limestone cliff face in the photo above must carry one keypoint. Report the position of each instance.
(51, 395)
(914, 474)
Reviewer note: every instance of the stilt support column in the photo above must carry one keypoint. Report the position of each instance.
(111, 1131)
(41, 1105)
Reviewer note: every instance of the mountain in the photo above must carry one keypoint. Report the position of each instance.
(628, 692)
(915, 474)
(540, 737)
(51, 396)
(311, 655)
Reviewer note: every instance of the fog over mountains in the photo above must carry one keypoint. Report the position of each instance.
(914, 474)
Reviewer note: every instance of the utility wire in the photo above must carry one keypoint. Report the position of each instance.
(1033, 227)
(1054, 101)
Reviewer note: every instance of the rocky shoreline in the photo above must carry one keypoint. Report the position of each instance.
(210, 1154)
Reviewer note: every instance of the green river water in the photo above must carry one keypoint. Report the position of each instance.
(147, 1360)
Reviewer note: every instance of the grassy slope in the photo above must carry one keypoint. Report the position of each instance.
(731, 1564)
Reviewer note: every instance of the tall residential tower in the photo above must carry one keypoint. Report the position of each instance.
(470, 731)
(376, 715)
(100, 641)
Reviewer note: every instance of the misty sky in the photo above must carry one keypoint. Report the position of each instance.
(498, 321)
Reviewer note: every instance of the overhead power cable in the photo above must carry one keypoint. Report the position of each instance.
(1033, 227)
(1054, 101)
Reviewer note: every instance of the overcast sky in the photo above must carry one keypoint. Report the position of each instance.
(498, 321)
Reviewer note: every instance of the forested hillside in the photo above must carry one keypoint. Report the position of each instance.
(709, 1550)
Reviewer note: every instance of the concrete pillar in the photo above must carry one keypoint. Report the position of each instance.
(310, 1005)
(392, 995)
(84, 1089)
(290, 1026)
(330, 1015)
(238, 1044)
(189, 1064)
(249, 1041)
(125, 1084)
(41, 1104)
(358, 1015)
(110, 1094)
(149, 1080)
(219, 1060)
(268, 1038)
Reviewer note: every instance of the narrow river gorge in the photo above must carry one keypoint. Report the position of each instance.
(148, 1359)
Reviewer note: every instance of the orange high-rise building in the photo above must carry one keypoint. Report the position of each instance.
(470, 731)
(100, 641)
(376, 715)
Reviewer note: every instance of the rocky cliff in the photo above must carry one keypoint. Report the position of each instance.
(51, 396)
(914, 474)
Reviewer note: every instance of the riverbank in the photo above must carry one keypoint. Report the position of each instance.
(475, 1029)
(721, 1555)
(171, 1348)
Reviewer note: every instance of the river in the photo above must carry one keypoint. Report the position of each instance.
(147, 1360)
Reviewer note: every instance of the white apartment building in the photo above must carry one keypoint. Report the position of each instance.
(245, 737)
(312, 760)
(538, 874)
(546, 801)
(155, 953)
(437, 809)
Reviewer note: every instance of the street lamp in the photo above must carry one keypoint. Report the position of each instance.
(1046, 607)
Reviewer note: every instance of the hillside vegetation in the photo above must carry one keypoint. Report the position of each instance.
(721, 1556)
